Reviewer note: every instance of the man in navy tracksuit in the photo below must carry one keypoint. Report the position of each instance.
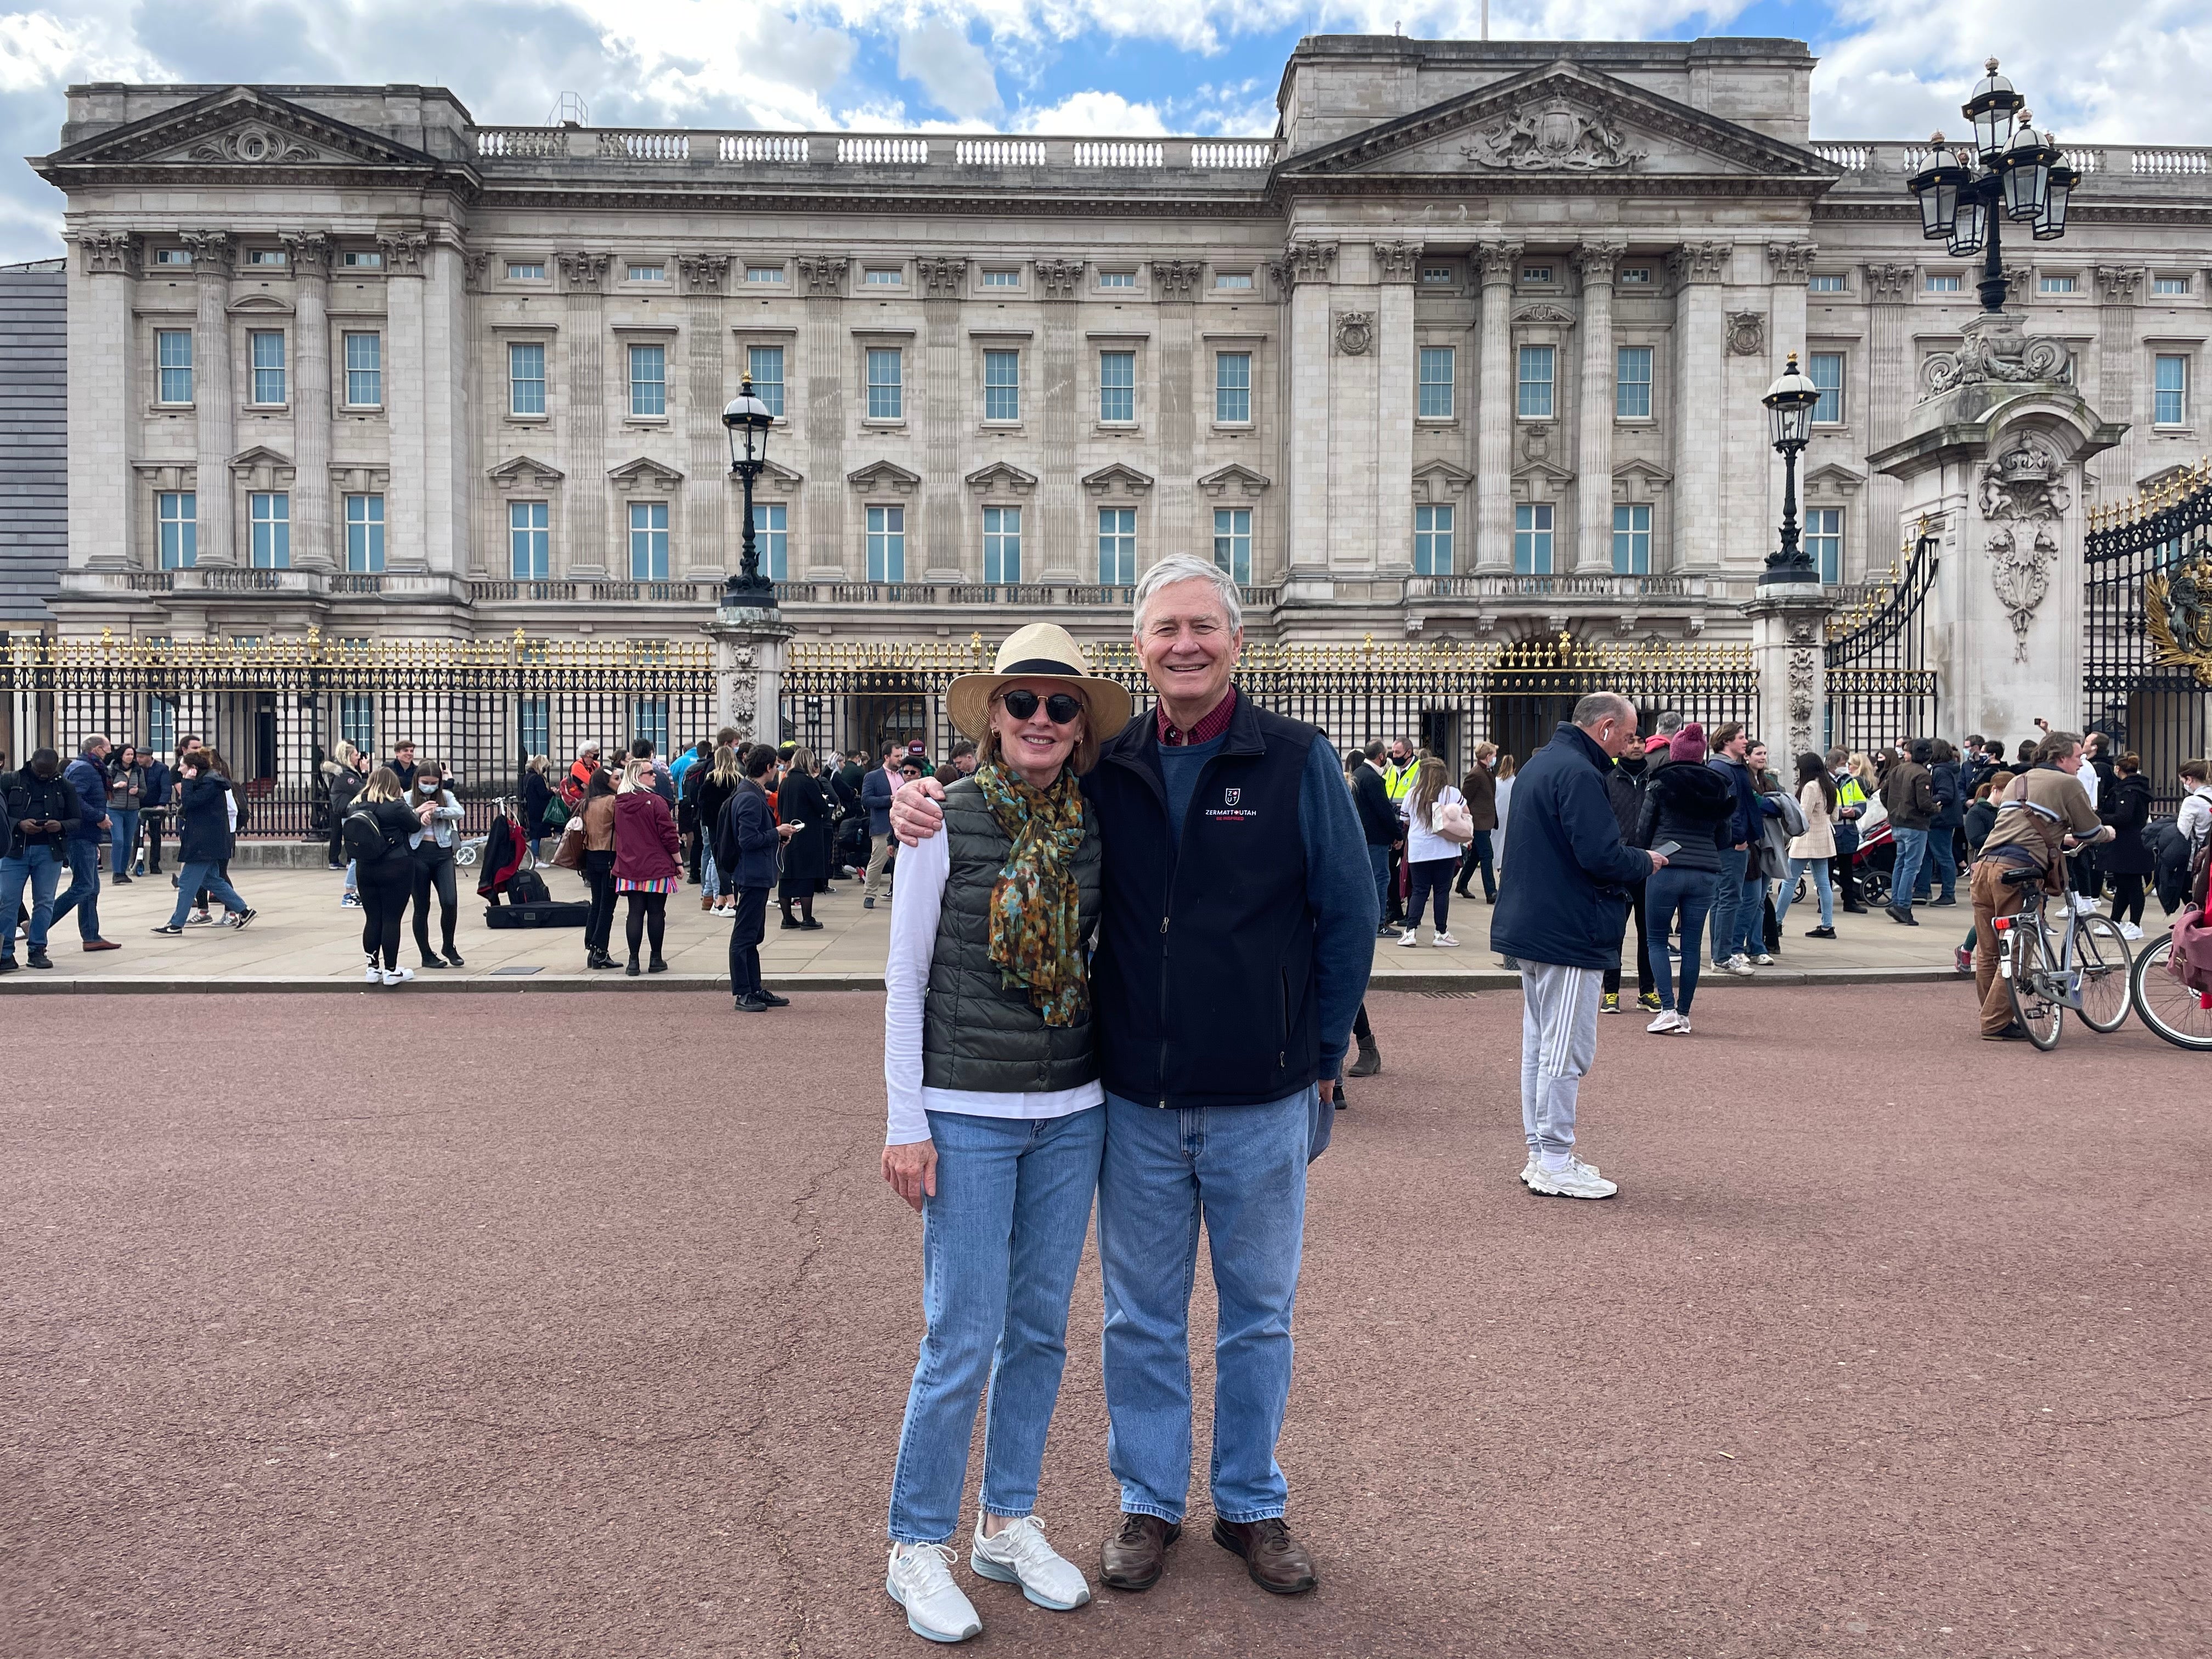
(1234, 947)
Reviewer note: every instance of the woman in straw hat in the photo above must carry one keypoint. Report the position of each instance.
(997, 1117)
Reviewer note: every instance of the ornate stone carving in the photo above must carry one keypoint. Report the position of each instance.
(822, 278)
(309, 253)
(1746, 334)
(744, 688)
(584, 273)
(702, 273)
(210, 252)
(107, 252)
(1701, 262)
(474, 263)
(1059, 279)
(1355, 332)
(404, 251)
(1174, 279)
(253, 146)
(1889, 282)
(1993, 348)
(2118, 285)
(1597, 259)
(1544, 312)
(1309, 260)
(1496, 260)
(942, 275)
(1395, 262)
(2023, 493)
(1556, 138)
(1792, 262)
(1804, 676)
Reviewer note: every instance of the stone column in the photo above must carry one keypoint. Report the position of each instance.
(709, 548)
(215, 396)
(1175, 527)
(2117, 289)
(827, 358)
(943, 405)
(1494, 395)
(583, 504)
(1309, 418)
(409, 393)
(448, 463)
(1597, 261)
(1788, 266)
(312, 519)
(1890, 392)
(750, 647)
(1058, 509)
(1788, 629)
(1697, 419)
(1398, 376)
(106, 497)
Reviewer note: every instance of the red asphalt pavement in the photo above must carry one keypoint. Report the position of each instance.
(511, 1325)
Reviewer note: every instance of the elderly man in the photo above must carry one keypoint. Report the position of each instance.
(1562, 915)
(1234, 949)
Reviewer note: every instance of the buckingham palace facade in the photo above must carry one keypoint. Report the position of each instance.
(1472, 348)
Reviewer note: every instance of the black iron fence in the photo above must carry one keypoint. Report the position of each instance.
(1880, 682)
(2146, 627)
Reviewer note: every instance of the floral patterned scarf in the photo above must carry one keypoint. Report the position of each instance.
(1036, 905)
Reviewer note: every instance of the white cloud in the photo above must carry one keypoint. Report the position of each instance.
(951, 69)
(1094, 115)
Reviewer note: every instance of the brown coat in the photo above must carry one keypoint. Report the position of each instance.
(599, 824)
(1479, 785)
(2066, 811)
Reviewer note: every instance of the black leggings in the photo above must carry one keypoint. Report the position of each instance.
(2127, 897)
(648, 917)
(434, 870)
(1644, 982)
(384, 889)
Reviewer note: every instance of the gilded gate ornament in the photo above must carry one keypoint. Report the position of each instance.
(2178, 614)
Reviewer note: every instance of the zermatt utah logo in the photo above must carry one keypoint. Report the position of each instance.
(1231, 796)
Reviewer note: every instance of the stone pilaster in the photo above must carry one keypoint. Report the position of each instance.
(1058, 557)
(1697, 421)
(1889, 289)
(2120, 392)
(1788, 629)
(581, 551)
(827, 355)
(1397, 368)
(313, 527)
(709, 548)
(1175, 527)
(1788, 266)
(1494, 395)
(105, 499)
(1597, 261)
(409, 391)
(945, 403)
(1309, 419)
(215, 395)
(448, 442)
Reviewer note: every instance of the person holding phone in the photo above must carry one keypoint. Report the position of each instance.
(1688, 813)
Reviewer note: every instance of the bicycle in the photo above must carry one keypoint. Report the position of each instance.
(2181, 1016)
(2084, 967)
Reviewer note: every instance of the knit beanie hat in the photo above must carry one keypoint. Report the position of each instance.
(1689, 744)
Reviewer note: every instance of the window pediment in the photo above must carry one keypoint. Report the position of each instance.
(525, 472)
(1236, 479)
(1440, 481)
(1002, 477)
(261, 465)
(1118, 479)
(884, 478)
(645, 474)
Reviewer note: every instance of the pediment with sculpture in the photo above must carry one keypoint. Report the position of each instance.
(242, 127)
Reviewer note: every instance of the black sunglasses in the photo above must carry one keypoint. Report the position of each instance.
(1059, 708)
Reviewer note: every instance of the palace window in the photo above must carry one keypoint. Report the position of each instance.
(1940, 283)
(1232, 388)
(1117, 386)
(1002, 544)
(355, 258)
(1824, 541)
(648, 273)
(1532, 539)
(1827, 374)
(1002, 385)
(1232, 279)
(177, 512)
(1632, 383)
(526, 379)
(763, 273)
(886, 393)
(772, 539)
(648, 719)
(1117, 545)
(765, 365)
(648, 541)
(1438, 364)
(173, 256)
(265, 256)
(534, 715)
(530, 540)
(1232, 542)
(1535, 273)
(267, 355)
(1535, 402)
(648, 381)
(1117, 279)
(364, 371)
(364, 523)
(2172, 286)
(1432, 541)
(1636, 275)
(1631, 540)
(161, 723)
(1827, 282)
(525, 270)
(2054, 284)
(884, 279)
(172, 360)
(886, 544)
(270, 514)
(1437, 275)
(1002, 279)
(2170, 390)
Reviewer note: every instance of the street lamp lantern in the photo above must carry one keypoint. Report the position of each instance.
(2021, 176)
(2026, 168)
(1938, 187)
(1991, 109)
(2050, 223)
(1967, 229)
(749, 421)
(1789, 401)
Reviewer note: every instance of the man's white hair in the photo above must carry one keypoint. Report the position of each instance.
(1181, 568)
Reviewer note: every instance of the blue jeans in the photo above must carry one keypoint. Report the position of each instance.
(1820, 869)
(1727, 900)
(1691, 892)
(122, 839)
(83, 894)
(1477, 857)
(1000, 1246)
(1241, 1170)
(1751, 912)
(1911, 848)
(1942, 854)
(192, 880)
(1378, 861)
(39, 868)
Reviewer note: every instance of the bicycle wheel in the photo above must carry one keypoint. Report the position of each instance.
(2164, 1004)
(2100, 965)
(2034, 1005)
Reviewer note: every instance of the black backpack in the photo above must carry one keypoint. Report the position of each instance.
(366, 841)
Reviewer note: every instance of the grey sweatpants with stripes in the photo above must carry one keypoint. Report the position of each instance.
(1558, 1040)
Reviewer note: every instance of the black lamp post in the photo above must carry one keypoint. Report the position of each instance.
(749, 419)
(1789, 403)
(2015, 173)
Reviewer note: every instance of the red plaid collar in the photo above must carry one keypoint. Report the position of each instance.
(1211, 727)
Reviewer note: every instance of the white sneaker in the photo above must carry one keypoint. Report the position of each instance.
(2082, 903)
(1528, 1171)
(1578, 1180)
(1740, 966)
(398, 975)
(920, 1580)
(1681, 1025)
(1762, 960)
(1667, 1020)
(1409, 937)
(375, 973)
(2129, 930)
(1017, 1555)
(1445, 942)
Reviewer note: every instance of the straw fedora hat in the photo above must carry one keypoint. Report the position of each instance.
(1041, 651)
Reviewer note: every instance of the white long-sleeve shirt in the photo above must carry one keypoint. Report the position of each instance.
(1422, 844)
(923, 871)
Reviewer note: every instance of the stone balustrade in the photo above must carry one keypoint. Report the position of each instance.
(1885, 158)
(688, 150)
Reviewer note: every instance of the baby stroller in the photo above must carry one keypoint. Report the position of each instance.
(1876, 857)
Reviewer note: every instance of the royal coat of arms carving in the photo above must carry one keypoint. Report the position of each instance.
(1559, 136)
(2178, 613)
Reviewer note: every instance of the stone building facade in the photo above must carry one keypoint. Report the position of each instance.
(1472, 348)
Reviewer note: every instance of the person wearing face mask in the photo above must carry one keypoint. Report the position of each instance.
(438, 815)
(41, 805)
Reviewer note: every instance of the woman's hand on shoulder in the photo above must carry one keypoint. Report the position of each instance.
(911, 1171)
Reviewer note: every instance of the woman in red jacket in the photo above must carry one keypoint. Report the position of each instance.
(646, 851)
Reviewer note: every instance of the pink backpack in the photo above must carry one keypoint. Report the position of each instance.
(2190, 961)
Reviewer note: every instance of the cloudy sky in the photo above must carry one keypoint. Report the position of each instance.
(1888, 69)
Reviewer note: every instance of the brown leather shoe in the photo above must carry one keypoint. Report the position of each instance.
(1137, 1554)
(1277, 1562)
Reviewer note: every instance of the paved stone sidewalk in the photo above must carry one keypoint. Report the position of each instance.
(301, 939)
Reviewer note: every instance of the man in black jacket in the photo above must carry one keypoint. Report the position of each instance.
(41, 808)
(1378, 822)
